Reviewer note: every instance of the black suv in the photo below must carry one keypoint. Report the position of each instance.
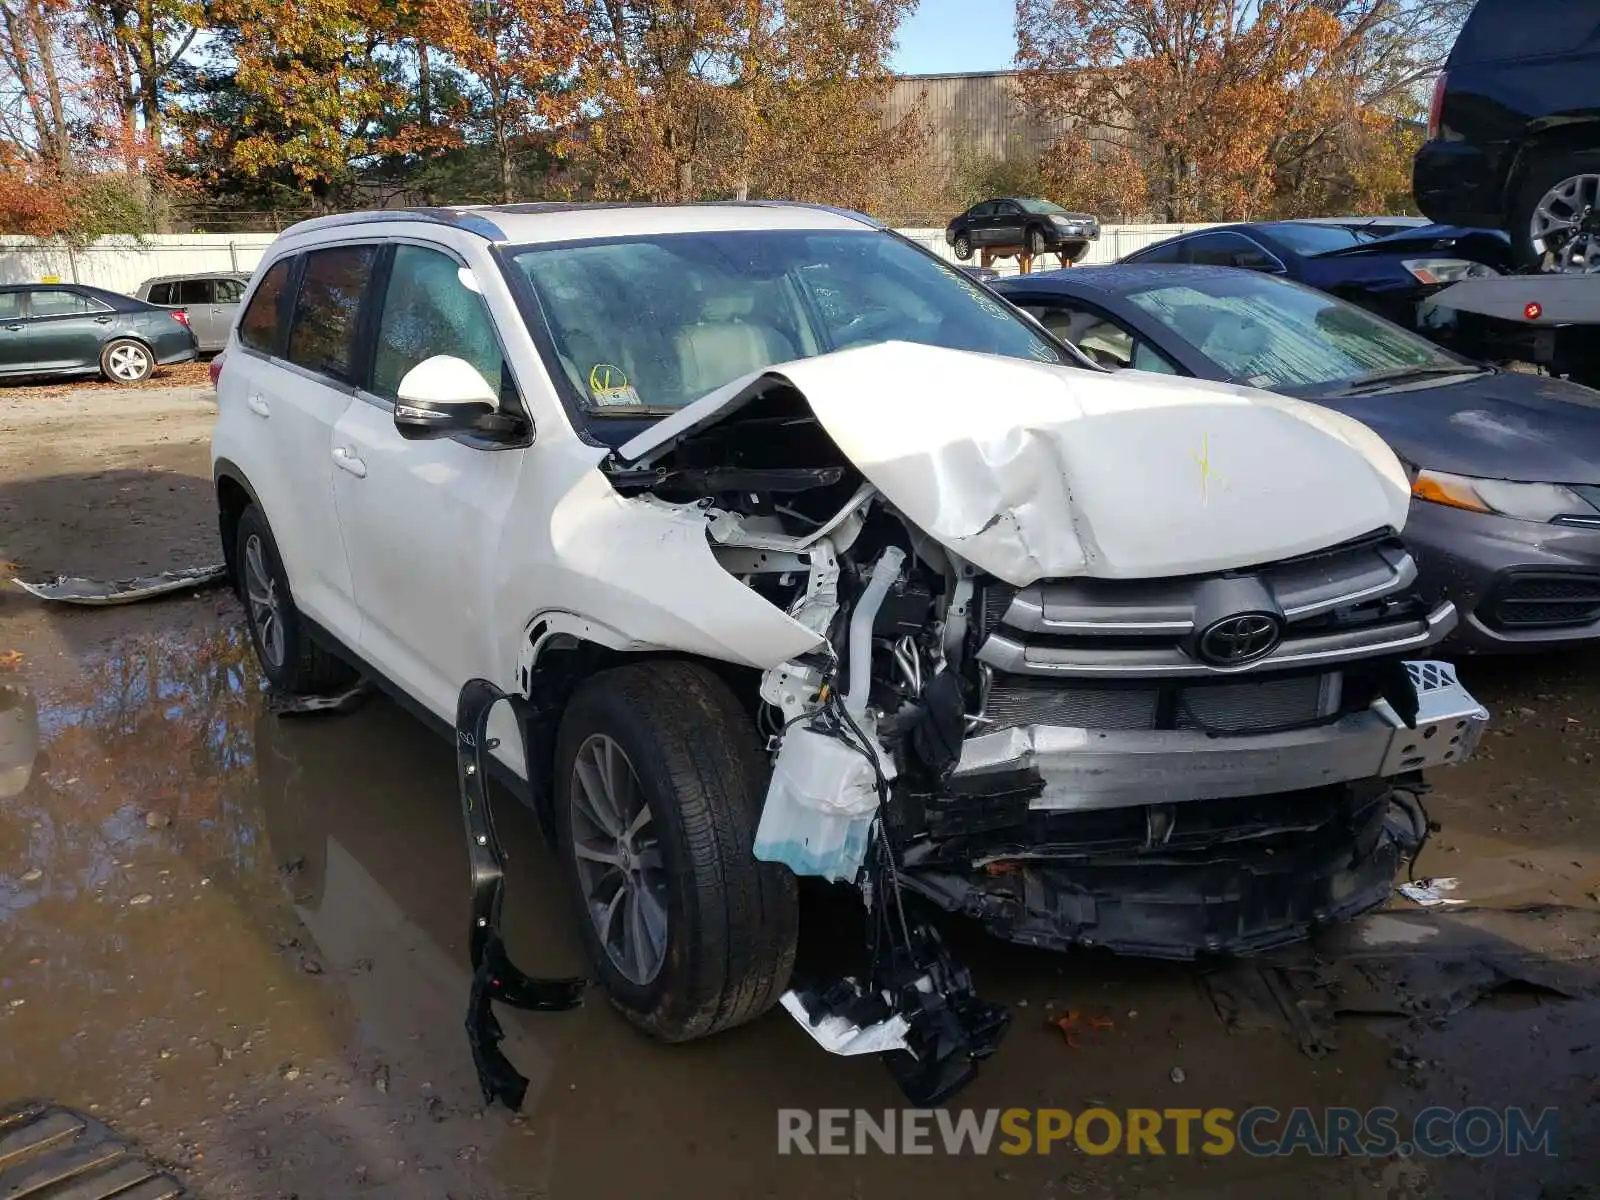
(1514, 136)
(1037, 225)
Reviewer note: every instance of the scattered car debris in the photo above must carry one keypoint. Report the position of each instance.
(1430, 893)
(1072, 1023)
(73, 589)
(46, 1148)
(494, 976)
(285, 705)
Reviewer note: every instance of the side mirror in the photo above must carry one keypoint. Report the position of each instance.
(444, 396)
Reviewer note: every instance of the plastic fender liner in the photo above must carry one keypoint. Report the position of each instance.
(494, 976)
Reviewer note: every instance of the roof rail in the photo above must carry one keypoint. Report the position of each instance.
(459, 218)
(835, 209)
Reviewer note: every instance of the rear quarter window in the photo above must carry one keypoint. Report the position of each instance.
(1506, 30)
(261, 326)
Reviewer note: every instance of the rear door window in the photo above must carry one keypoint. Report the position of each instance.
(262, 326)
(1162, 252)
(195, 291)
(327, 310)
(10, 306)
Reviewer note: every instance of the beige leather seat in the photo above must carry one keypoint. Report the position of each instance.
(725, 344)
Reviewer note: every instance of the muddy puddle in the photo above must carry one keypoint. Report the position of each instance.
(240, 938)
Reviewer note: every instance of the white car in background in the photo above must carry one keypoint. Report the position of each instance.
(802, 553)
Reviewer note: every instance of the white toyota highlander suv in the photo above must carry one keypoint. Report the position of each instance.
(798, 552)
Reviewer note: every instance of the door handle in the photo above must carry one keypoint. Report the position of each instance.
(102, 320)
(14, 328)
(258, 405)
(345, 459)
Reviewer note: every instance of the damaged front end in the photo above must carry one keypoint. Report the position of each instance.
(1019, 723)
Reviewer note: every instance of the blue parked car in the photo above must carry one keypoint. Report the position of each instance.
(1387, 265)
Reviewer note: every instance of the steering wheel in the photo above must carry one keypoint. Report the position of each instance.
(864, 327)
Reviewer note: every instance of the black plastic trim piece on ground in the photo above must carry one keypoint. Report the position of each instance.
(494, 976)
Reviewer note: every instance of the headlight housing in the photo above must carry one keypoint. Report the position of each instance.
(1543, 502)
(1446, 270)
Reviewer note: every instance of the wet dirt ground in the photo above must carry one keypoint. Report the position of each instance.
(240, 938)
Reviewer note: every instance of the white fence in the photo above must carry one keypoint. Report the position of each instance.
(121, 265)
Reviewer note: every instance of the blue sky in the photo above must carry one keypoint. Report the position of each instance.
(957, 35)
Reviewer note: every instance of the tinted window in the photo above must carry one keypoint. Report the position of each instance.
(195, 291)
(161, 293)
(1161, 252)
(10, 306)
(1217, 249)
(1267, 333)
(1315, 239)
(428, 311)
(229, 291)
(986, 209)
(328, 309)
(675, 316)
(61, 304)
(1041, 206)
(261, 327)
(1507, 29)
(1007, 209)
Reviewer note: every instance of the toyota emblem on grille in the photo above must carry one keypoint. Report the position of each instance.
(1240, 639)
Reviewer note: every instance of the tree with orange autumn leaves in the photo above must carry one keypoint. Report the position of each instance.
(1177, 109)
(1187, 110)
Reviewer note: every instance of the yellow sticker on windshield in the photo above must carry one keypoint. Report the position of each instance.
(608, 384)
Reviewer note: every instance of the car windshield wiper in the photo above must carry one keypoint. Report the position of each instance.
(1382, 379)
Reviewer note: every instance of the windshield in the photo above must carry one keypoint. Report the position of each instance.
(1318, 239)
(651, 323)
(1283, 337)
(1040, 206)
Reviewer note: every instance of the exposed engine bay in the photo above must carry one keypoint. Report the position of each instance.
(1216, 762)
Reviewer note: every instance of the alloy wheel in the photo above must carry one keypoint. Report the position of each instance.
(129, 363)
(1565, 226)
(261, 593)
(621, 872)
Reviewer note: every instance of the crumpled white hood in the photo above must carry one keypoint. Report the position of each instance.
(1030, 471)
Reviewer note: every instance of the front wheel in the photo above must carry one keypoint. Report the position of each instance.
(963, 247)
(1556, 225)
(659, 782)
(127, 361)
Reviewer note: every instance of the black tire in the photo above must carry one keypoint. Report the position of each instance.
(732, 921)
(290, 660)
(1543, 176)
(126, 360)
(1037, 242)
(962, 246)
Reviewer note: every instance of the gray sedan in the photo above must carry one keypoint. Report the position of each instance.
(1504, 466)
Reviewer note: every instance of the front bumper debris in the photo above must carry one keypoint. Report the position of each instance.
(915, 1004)
(1226, 877)
(72, 589)
(494, 976)
(1090, 768)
